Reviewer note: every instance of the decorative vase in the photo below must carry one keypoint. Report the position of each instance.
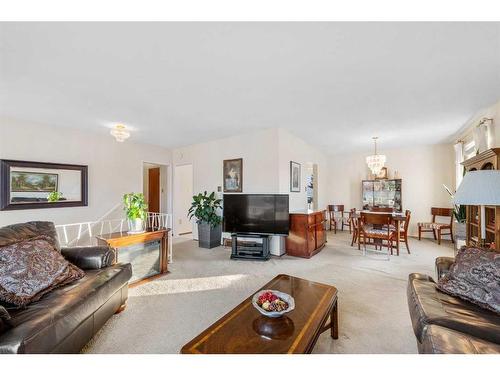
(135, 225)
(208, 236)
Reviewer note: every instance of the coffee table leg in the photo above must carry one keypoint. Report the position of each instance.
(334, 319)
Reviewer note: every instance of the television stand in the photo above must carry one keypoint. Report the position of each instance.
(251, 246)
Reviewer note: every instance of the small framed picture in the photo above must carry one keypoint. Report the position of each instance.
(382, 175)
(233, 175)
(294, 177)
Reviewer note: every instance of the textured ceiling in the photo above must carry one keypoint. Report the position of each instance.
(334, 84)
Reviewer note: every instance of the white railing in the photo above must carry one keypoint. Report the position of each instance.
(84, 234)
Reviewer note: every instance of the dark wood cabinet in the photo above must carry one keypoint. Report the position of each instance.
(307, 233)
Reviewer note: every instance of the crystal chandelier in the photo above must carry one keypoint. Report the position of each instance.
(375, 162)
(120, 132)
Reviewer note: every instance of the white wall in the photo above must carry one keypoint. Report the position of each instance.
(292, 148)
(259, 152)
(423, 170)
(183, 193)
(266, 164)
(114, 168)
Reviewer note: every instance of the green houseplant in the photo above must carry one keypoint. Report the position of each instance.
(205, 208)
(458, 210)
(460, 217)
(54, 196)
(135, 209)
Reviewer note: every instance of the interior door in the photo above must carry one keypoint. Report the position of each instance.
(154, 190)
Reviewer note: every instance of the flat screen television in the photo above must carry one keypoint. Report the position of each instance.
(256, 213)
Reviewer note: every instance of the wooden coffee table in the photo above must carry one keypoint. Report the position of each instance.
(245, 330)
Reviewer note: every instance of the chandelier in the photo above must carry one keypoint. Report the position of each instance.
(375, 162)
(120, 132)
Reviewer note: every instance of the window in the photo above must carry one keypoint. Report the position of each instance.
(469, 149)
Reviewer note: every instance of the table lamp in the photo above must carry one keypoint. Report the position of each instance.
(480, 188)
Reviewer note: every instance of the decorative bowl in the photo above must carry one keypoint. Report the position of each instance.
(274, 314)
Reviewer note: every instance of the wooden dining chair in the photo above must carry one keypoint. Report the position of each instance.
(437, 227)
(353, 228)
(404, 233)
(403, 230)
(376, 227)
(336, 217)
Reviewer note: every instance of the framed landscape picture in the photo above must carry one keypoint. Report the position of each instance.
(294, 177)
(233, 175)
(33, 181)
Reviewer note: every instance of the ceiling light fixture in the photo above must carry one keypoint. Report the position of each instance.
(375, 162)
(120, 132)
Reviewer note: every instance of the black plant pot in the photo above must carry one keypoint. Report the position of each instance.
(208, 236)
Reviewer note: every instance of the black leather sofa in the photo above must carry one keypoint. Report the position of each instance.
(449, 325)
(64, 320)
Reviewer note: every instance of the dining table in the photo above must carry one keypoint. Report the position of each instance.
(397, 218)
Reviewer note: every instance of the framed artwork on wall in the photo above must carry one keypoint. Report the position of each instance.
(382, 175)
(29, 185)
(294, 177)
(233, 175)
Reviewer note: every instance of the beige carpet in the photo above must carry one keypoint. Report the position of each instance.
(205, 284)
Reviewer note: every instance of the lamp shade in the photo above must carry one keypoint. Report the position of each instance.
(480, 188)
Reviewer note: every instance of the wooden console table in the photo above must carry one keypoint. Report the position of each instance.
(123, 240)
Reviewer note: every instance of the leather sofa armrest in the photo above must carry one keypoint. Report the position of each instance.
(443, 265)
(89, 257)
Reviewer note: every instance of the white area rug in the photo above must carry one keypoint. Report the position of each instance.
(203, 285)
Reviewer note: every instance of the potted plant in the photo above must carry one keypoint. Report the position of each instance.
(54, 196)
(135, 209)
(205, 208)
(460, 216)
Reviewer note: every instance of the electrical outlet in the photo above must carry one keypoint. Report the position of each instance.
(180, 221)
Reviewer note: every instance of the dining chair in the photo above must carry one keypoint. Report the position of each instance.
(353, 225)
(437, 227)
(403, 230)
(376, 227)
(336, 216)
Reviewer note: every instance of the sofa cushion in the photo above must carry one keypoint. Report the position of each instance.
(428, 305)
(24, 231)
(40, 326)
(31, 268)
(440, 340)
(475, 277)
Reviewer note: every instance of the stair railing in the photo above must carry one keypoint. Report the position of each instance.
(84, 234)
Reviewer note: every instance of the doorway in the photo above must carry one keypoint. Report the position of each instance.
(311, 170)
(183, 196)
(155, 187)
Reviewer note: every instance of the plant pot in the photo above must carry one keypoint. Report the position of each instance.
(135, 225)
(208, 236)
(459, 231)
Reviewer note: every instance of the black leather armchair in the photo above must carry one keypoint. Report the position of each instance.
(447, 324)
(64, 320)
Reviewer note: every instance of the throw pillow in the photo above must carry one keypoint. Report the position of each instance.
(475, 277)
(29, 269)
